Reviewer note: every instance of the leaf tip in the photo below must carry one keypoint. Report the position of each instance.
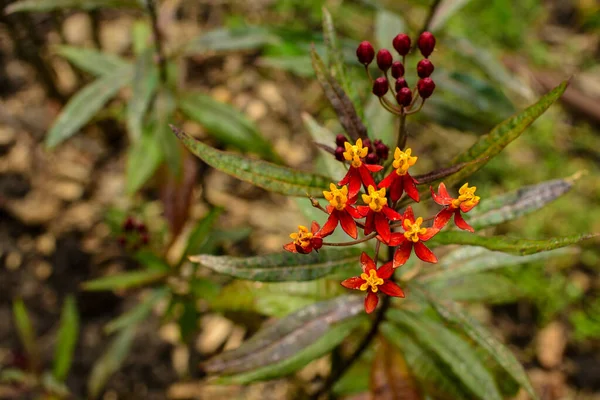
(178, 132)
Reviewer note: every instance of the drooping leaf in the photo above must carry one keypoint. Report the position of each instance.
(226, 39)
(145, 82)
(507, 244)
(260, 173)
(460, 357)
(515, 204)
(391, 379)
(454, 314)
(491, 144)
(125, 280)
(138, 313)
(82, 107)
(110, 361)
(66, 340)
(25, 331)
(226, 124)
(93, 61)
(143, 159)
(51, 5)
(281, 267)
(338, 99)
(323, 136)
(488, 288)
(286, 339)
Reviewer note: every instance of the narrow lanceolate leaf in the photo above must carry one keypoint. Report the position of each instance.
(323, 136)
(454, 314)
(515, 204)
(286, 337)
(444, 172)
(460, 357)
(484, 287)
(226, 124)
(339, 100)
(260, 173)
(138, 313)
(125, 280)
(143, 158)
(226, 39)
(82, 107)
(506, 244)
(491, 144)
(67, 339)
(25, 331)
(445, 10)
(145, 82)
(91, 60)
(281, 267)
(50, 5)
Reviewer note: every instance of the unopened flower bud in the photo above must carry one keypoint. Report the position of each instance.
(340, 140)
(404, 97)
(426, 86)
(145, 239)
(424, 68)
(426, 43)
(401, 83)
(382, 150)
(122, 240)
(129, 224)
(142, 228)
(367, 143)
(380, 86)
(397, 69)
(384, 59)
(365, 53)
(339, 153)
(372, 158)
(402, 44)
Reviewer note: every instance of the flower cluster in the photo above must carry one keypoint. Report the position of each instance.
(377, 211)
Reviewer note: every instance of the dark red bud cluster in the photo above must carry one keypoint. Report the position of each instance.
(135, 234)
(402, 44)
(425, 68)
(384, 59)
(339, 150)
(426, 43)
(425, 86)
(365, 53)
(404, 97)
(377, 151)
(397, 69)
(380, 86)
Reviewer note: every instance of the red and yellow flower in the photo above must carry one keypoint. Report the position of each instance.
(399, 180)
(413, 237)
(464, 203)
(377, 213)
(372, 280)
(304, 241)
(359, 171)
(340, 210)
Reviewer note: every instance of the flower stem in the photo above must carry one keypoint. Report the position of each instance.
(352, 243)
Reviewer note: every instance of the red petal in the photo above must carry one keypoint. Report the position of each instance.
(441, 199)
(330, 225)
(402, 253)
(388, 180)
(363, 210)
(365, 176)
(353, 283)
(291, 247)
(442, 218)
(348, 224)
(391, 214)
(369, 223)
(371, 302)
(408, 214)
(391, 289)
(303, 250)
(424, 253)
(367, 263)
(386, 270)
(443, 192)
(461, 223)
(410, 187)
(353, 212)
(314, 227)
(431, 232)
(373, 167)
(317, 242)
(346, 177)
(382, 226)
(396, 188)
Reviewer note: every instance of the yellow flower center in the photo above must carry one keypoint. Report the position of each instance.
(403, 161)
(375, 199)
(303, 237)
(337, 197)
(467, 196)
(355, 153)
(371, 280)
(413, 230)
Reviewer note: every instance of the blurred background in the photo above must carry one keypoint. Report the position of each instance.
(87, 195)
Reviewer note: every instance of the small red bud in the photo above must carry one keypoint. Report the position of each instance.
(424, 68)
(129, 224)
(397, 69)
(380, 86)
(426, 86)
(339, 153)
(367, 143)
(382, 151)
(426, 43)
(402, 44)
(372, 158)
(404, 97)
(122, 240)
(142, 228)
(384, 59)
(401, 83)
(365, 53)
(340, 140)
(145, 239)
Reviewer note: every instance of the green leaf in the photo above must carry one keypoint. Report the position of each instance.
(164, 108)
(513, 205)
(285, 340)
(125, 280)
(67, 339)
(460, 357)
(202, 230)
(454, 314)
(143, 159)
(85, 104)
(281, 267)
(491, 144)
(51, 5)
(137, 314)
(226, 39)
(110, 361)
(323, 136)
(91, 60)
(488, 288)
(269, 176)
(145, 83)
(25, 330)
(445, 10)
(226, 124)
(506, 244)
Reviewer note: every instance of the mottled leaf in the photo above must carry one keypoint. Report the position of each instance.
(145, 82)
(226, 39)
(488, 288)
(84, 105)
(281, 267)
(513, 205)
(491, 144)
(143, 159)
(66, 341)
(25, 331)
(138, 313)
(260, 173)
(51, 5)
(92, 61)
(125, 280)
(444, 172)
(391, 379)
